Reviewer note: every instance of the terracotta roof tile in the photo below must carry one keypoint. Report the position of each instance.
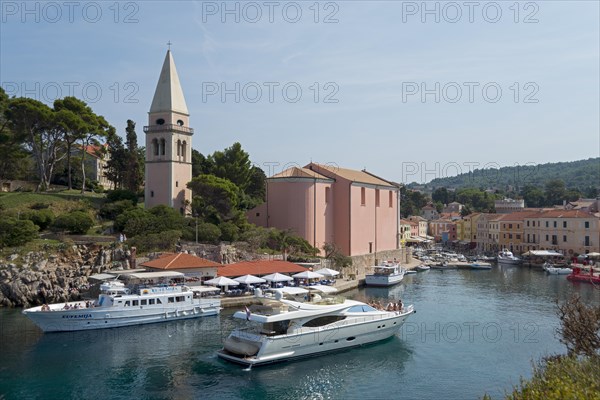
(565, 214)
(349, 174)
(180, 261)
(296, 172)
(259, 267)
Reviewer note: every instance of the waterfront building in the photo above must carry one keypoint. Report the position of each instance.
(442, 230)
(168, 143)
(507, 206)
(422, 225)
(405, 231)
(460, 229)
(193, 267)
(568, 231)
(356, 210)
(470, 227)
(512, 230)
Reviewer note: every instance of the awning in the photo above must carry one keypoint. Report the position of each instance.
(203, 289)
(102, 277)
(153, 275)
(543, 253)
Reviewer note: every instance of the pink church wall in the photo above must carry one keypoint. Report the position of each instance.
(292, 207)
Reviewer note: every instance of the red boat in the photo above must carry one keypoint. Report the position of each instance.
(579, 275)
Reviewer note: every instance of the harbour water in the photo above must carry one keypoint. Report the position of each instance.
(474, 332)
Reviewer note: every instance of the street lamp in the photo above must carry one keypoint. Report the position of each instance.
(196, 216)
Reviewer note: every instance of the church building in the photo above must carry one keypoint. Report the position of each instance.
(168, 143)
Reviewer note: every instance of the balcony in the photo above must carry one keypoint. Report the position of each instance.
(169, 128)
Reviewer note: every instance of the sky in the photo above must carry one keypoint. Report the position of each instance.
(411, 91)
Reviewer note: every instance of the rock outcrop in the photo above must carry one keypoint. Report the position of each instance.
(40, 277)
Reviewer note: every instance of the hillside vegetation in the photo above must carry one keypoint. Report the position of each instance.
(580, 175)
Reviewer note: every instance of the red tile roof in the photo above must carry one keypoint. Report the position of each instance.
(180, 261)
(566, 214)
(260, 267)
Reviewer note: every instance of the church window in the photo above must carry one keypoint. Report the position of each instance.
(155, 146)
(179, 122)
(152, 193)
(160, 121)
(183, 149)
(179, 147)
(176, 183)
(162, 147)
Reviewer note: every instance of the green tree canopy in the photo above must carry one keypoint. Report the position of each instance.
(215, 199)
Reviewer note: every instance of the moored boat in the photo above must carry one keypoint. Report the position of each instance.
(480, 265)
(552, 270)
(579, 275)
(507, 257)
(282, 329)
(422, 268)
(385, 275)
(118, 305)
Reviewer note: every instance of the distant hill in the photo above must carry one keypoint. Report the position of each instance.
(581, 175)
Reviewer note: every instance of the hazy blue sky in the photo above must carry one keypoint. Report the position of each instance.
(392, 86)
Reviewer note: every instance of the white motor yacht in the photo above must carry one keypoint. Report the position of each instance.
(507, 257)
(282, 329)
(118, 305)
(385, 275)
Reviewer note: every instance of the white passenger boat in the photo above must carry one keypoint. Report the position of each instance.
(117, 305)
(507, 257)
(282, 329)
(385, 275)
(422, 267)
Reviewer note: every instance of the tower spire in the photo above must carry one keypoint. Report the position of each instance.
(168, 95)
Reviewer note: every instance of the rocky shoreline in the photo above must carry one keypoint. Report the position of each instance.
(40, 277)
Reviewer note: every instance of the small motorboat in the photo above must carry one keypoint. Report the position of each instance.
(410, 272)
(552, 270)
(422, 267)
(481, 265)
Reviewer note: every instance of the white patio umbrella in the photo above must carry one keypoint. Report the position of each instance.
(249, 279)
(221, 281)
(328, 272)
(308, 275)
(277, 277)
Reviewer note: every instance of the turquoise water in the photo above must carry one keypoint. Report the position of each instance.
(474, 332)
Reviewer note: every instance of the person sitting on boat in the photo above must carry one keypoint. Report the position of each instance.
(396, 307)
(400, 306)
(45, 307)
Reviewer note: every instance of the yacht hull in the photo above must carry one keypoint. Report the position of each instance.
(383, 281)
(309, 344)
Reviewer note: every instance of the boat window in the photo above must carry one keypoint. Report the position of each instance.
(127, 304)
(180, 298)
(364, 308)
(325, 320)
(159, 301)
(135, 302)
(151, 301)
(171, 299)
(144, 302)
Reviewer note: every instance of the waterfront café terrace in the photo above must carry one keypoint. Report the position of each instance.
(198, 270)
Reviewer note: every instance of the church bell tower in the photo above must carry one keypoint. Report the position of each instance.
(168, 143)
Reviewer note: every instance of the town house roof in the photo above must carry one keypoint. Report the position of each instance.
(180, 261)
